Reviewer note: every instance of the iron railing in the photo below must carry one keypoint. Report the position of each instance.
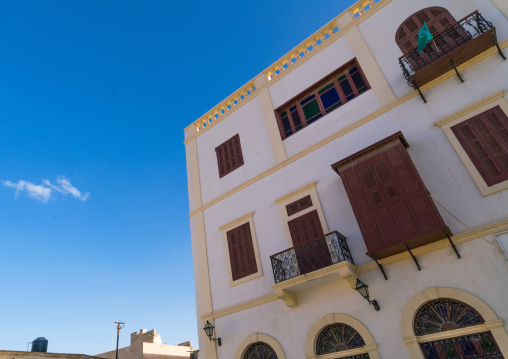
(318, 253)
(445, 42)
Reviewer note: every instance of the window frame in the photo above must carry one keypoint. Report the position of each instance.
(314, 90)
(503, 118)
(248, 218)
(307, 190)
(238, 164)
(446, 123)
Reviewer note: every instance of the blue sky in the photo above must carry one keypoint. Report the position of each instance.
(94, 99)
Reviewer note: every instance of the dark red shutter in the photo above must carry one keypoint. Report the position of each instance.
(305, 228)
(485, 140)
(241, 252)
(299, 205)
(311, 250)
(390, 202)
(229, 155)
(436, 18)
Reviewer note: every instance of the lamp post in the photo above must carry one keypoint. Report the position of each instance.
(208, 328)
(363, 289)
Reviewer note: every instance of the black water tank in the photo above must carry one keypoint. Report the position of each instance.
(40, 345)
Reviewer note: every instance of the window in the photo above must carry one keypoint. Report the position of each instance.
(388, 197)
(471, 152)
(260, 350)
(299, 205)
(241, 250)
(305, 228)
(340, 337)
(446, 315)
(332, 92)
(484, 137)
(229, 155)
(436, 18)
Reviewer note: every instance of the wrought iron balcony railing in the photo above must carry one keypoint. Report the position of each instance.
(457, 44)
(316, 254)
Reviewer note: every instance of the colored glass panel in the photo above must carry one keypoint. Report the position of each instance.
(338, 337)
(259, 350)
(445, 314)
(347, 89)
(311, 108)
(330, 97)
(295, 116)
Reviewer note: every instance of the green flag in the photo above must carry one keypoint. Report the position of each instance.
(424, 37)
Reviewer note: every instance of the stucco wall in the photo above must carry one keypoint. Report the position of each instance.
(481, 271)
(290, 326)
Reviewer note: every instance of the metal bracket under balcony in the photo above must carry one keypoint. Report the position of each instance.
(316, 262)
(461, 42)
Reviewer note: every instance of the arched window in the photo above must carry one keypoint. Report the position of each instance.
(445, 314)
(339, 337)
(259, 350)
(436, 18)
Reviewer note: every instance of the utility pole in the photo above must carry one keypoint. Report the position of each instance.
(119, 326)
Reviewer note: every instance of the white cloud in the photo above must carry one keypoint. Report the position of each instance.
(46, 189)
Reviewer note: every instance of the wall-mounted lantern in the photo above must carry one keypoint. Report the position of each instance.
(208, 328)
(364, 291)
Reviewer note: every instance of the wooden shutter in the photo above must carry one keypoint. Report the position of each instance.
(241, 252)
(485, 140)
(436, 18)
(390, 202)
(311, 250)
(299, 205)
(305, 228)
(229, 155)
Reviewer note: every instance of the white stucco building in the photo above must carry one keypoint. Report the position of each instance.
(147, 344)
(354, 157)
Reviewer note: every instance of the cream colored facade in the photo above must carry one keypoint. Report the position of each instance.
(290, 315)
(148, 345)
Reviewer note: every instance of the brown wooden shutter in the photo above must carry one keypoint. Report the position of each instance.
(241, 252)
(485, 140)
(436, 18)
(390, 202)
(311, 252)
(229, 155)
(305, 228)
(299, 205)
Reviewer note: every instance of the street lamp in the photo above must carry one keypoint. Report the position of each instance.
(363, 289)
(208, 328)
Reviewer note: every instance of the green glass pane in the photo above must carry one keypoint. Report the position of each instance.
(311, 109)
(362, 90)
(449, 349)
(343, 77)
(283, 113)
(487, 343)
(325, 88)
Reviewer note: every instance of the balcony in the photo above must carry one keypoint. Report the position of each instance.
(327, 258)
(464, 40)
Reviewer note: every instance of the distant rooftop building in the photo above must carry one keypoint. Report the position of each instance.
(148, 345)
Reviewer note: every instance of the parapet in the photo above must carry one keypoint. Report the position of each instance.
(144, 336)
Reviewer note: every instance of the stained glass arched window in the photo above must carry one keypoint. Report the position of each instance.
(445, 314)
(260, 350)
(338, 337)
